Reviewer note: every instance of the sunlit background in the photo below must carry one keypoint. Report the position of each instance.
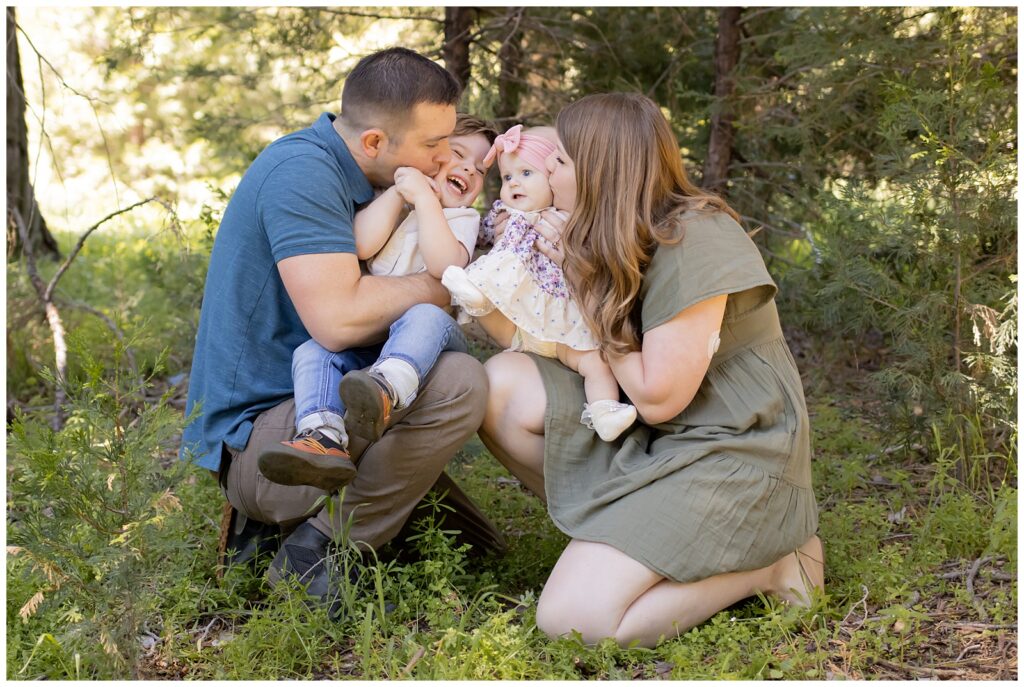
(96, 144)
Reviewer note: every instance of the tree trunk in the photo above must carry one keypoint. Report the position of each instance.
(458, 23)
(511, 84)
(20, 194)
(727, 54)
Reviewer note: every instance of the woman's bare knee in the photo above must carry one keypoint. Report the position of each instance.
(552, 617)
(557, 617)
(590, 590)
(516, 391)
(513, 426)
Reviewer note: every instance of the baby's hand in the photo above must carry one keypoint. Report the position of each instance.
(414, 186)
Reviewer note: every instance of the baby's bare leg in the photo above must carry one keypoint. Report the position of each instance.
(602, 412)
(598, 379)
(498, 327)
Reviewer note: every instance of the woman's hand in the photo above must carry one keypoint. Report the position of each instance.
(500, 220)
(550, 226)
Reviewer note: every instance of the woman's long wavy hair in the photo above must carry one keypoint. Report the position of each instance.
(631, 190)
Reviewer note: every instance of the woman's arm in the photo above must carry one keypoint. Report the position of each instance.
(663, 377)
(437, 241)
(375, 223)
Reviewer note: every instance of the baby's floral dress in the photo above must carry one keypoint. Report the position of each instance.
(525, 285)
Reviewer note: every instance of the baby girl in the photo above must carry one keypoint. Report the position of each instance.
(519, 295)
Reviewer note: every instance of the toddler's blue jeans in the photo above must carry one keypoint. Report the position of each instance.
(418, 337)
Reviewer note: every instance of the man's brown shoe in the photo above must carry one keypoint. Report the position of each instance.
(311, 459)
(369, 400)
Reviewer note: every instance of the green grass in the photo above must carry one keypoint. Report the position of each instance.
(893, 529)
(150, 284)
(920, 535)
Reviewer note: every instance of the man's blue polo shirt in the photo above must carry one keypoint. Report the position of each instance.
(298, 197)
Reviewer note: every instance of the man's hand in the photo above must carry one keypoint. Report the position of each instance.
(414, 186)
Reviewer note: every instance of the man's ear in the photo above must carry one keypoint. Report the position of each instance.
(373, 142)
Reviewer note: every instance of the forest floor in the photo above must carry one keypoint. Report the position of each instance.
(921, 583)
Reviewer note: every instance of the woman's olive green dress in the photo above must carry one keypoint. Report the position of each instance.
(724, 486)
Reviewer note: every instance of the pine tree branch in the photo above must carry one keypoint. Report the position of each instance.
(371, 15)
(112, 326)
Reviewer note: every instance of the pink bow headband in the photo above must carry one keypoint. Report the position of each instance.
(532, 148)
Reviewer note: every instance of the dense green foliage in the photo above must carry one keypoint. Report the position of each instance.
(875, 147)
(875, 150)
(89, 508)
(897, 134)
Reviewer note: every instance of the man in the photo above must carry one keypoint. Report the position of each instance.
(284, 269)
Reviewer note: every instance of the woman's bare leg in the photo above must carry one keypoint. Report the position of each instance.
(513, 427)
(601, 592)
(594, 588)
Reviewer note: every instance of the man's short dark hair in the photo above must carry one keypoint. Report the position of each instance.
(384, 88)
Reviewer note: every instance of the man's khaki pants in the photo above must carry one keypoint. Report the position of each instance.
(394, 473)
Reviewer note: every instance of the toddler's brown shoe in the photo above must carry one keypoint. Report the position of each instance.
(311, 458)
(369, 400)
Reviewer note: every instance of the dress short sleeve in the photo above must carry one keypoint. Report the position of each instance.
(715, 257)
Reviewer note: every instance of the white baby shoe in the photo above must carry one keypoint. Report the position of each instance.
(464, 292)
(608, 418)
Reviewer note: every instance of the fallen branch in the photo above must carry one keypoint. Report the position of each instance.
(206, 631)
(920, 670)
(412, 663)
(81, 242)
(60, 348)
(986, 626)
(982, 613)
(863, 601)
(966, 650)
(45, 293)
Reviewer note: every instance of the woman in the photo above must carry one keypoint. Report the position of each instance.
(708, 500)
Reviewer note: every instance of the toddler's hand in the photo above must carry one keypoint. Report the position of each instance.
(414, 186)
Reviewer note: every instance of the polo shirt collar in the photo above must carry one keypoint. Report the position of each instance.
(324, 128)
